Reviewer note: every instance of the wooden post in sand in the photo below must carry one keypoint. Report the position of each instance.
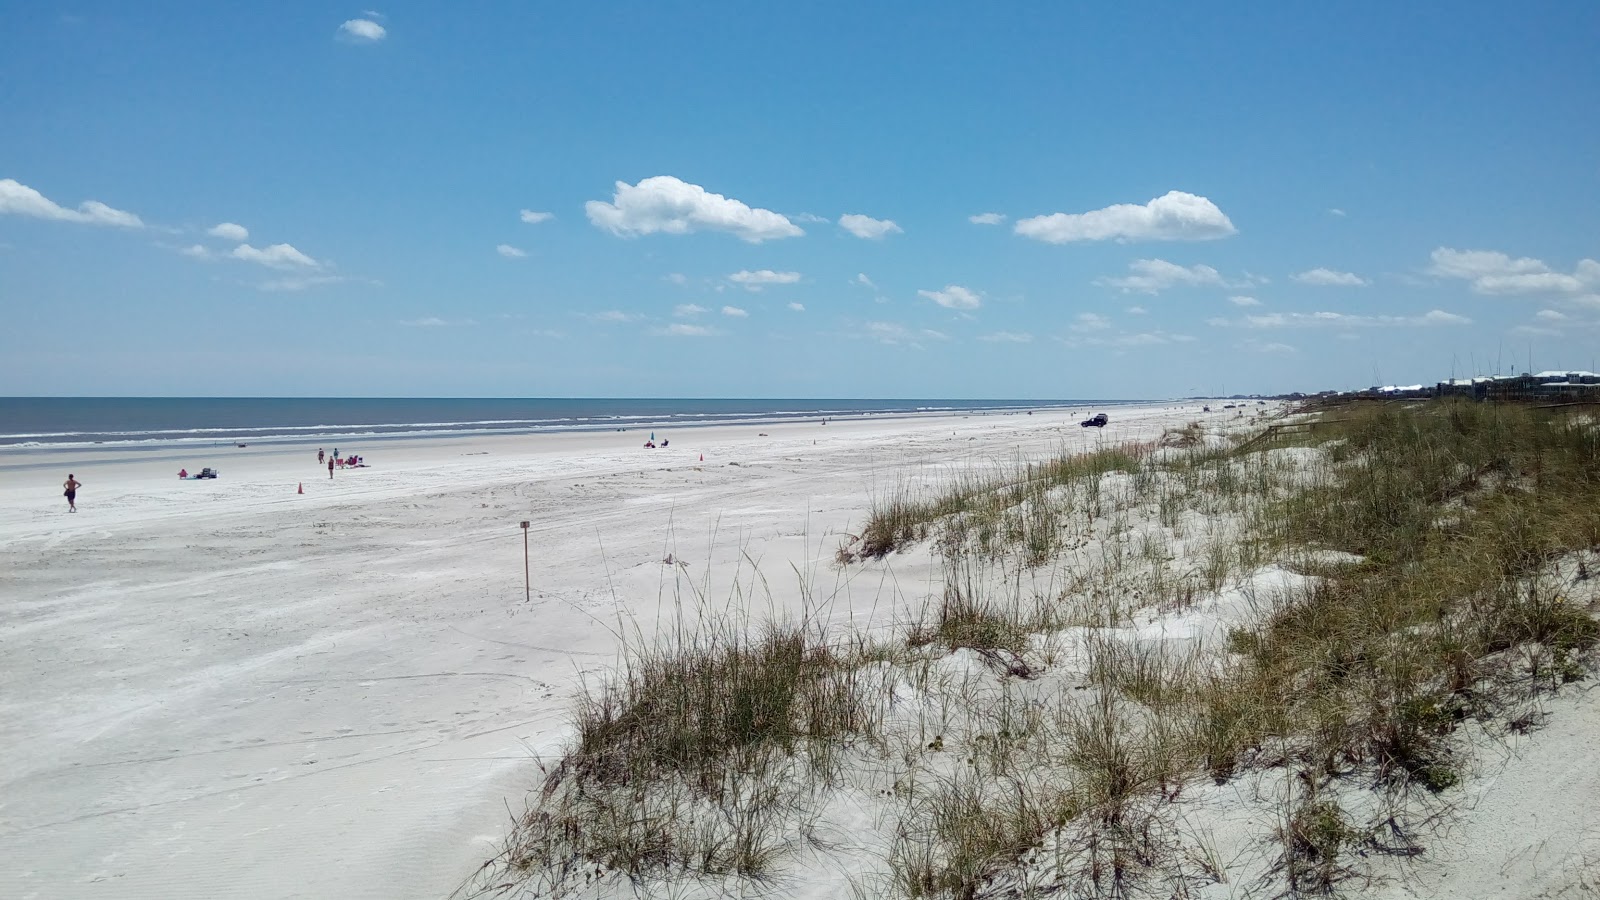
(527, 584)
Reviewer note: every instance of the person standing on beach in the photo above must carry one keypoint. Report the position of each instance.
(319, 456)
(330, 468)
(72, 484)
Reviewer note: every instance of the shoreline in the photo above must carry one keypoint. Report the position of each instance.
(158, 439)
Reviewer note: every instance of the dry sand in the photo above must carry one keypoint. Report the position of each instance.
(228, 689)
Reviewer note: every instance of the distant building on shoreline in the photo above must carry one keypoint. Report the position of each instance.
(1551, 386)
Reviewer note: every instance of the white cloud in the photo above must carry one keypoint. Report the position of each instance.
(1124, 340)
(755, 281)
(954, 296)
(861, 278)
(798, 307)
(20, 200)
(362, 31)
(1344, 320)
(1144, 338)
(96, 213)
(615, 316)
(735, 312)
(1530, 283)
(987, 219)
(436, 322)
(1244, 301)
(1280, 320)
(534, 218)
(868, 227)
(228, 231)
(671, 206)
(1175, 216)
(1268, 347)
(509, 252)
(1136, 311)
(277, 256)
(1091, 322)
(300, 282)
(1535, 331)
(677, 278)
(895, 334)
(1336, 211)
(1451, 263)
(811, 219)
(1007, 337)
(1492, 272)
(1550, 315)
(1152, 276)
(197, 251)
(680, 329)
(1329, 278)
(688, 310)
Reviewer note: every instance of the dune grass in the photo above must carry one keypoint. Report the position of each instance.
(694, 759)
(987, 506)
(1445, 548)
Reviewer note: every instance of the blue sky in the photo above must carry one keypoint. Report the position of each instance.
(830, 199)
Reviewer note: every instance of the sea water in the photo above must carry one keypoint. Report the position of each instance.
(77, 423)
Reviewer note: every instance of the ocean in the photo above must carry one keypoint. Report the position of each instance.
(103, 423)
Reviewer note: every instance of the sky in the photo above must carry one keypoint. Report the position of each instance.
(730, 199)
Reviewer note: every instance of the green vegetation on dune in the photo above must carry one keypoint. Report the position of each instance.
(1444, 549)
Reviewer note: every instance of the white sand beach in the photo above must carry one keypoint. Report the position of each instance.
(228, 689)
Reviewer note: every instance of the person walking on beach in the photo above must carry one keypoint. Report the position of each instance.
(330, 468)
(72, 484)
(319, 456)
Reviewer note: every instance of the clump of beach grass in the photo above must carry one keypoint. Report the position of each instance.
(699, 758)
(1023, 503)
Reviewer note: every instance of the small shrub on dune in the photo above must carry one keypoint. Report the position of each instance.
(1315, 840)
(695, 760)
(965, 620)
(1190, 435)
(694, 705)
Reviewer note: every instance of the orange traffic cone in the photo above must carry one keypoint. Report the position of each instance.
(301, 489)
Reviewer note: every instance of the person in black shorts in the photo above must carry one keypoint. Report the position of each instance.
(72, 484)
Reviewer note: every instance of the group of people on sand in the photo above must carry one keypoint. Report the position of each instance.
(70, 487)
(334, 459)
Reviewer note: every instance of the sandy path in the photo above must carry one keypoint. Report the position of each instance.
(226, 689)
